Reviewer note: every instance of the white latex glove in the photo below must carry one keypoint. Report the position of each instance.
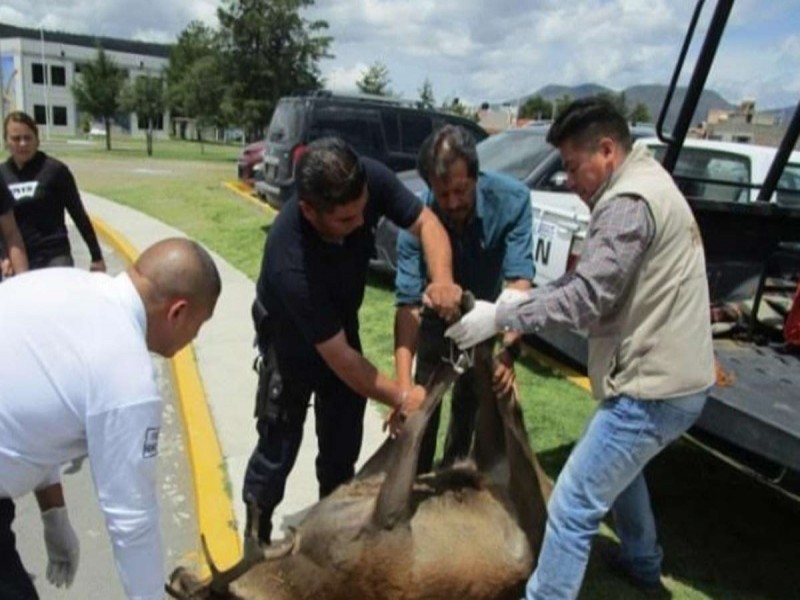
(63, 550)
(474, 327)
(511, 296)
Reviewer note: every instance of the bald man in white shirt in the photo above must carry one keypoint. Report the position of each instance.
(76, 379)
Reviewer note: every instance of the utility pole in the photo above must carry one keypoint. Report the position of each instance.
(46, 86)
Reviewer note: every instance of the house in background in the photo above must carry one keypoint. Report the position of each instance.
(745, 124)
(38, 68)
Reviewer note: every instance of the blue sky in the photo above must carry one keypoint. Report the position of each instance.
(491, 51)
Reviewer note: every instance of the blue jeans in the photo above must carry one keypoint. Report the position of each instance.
(604, 472)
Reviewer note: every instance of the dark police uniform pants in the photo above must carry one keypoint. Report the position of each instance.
(432, 347)
(281, 404)
(15, 583)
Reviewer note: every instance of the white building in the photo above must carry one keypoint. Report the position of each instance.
(38, 68)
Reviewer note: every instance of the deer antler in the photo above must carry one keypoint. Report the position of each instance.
(253, 554)
(220, 580)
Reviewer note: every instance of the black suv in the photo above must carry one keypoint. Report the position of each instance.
(385, 129)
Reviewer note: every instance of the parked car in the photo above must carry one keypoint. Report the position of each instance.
(250, 158)
(385, 129)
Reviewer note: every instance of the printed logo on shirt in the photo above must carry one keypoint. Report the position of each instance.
(23, 191)
(150, 442)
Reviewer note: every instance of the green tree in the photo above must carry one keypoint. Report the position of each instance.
(640, 113)
(146, 97)
(536, 108)
(456, 107)
(196, 43)
(204, 90)
(268, 51)
(426, 99)
(97, 90)
(375, 80)
(561, 103)
(617, 100)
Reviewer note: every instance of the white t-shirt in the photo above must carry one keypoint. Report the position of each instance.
(76, 378)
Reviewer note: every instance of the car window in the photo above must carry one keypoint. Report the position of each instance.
(286, 122)
(516, 152)
(788, 193)
(413, 131)
(359, 128)
(729, 171)
(391, 129)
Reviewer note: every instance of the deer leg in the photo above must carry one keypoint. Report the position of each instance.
(528, 485)
(399, 460)
(489, 450)
(503, 452)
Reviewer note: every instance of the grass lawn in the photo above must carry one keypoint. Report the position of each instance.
(724, 536)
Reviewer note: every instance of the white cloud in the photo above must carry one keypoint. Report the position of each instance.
(343, 79)
(480, 50)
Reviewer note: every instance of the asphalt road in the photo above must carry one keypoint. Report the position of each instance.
(96, 577)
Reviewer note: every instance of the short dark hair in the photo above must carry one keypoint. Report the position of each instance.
(329, 174)
(17, 116)
(585, 121)
(444, 147)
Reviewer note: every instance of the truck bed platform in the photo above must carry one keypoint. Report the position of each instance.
(757, 404)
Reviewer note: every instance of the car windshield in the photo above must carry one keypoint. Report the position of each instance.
(285, 123)
(514, 152)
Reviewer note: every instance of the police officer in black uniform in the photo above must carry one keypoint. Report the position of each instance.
(311, 285)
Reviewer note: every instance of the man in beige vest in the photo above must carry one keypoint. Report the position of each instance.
(640, 290)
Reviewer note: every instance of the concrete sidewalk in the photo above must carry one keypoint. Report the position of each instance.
(224, 355)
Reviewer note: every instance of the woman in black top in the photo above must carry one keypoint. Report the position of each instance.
(43, 188)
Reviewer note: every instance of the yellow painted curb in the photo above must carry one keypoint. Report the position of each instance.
(215, 516)
(244, 192)
(569, 374)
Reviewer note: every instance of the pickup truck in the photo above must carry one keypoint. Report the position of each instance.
(706, 169)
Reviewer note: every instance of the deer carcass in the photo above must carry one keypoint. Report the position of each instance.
(471, 532)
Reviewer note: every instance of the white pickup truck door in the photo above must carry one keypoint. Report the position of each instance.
(560, 221)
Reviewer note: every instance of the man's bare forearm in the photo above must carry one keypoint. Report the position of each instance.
(406, 328)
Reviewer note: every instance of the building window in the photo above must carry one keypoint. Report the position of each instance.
(40, 114)
(59, 115)
(38, 73)
(58, 76)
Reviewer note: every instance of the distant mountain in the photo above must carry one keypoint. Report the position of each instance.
(552, 92)
(651, 96)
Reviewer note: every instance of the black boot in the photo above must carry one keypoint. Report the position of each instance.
(258, 527)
